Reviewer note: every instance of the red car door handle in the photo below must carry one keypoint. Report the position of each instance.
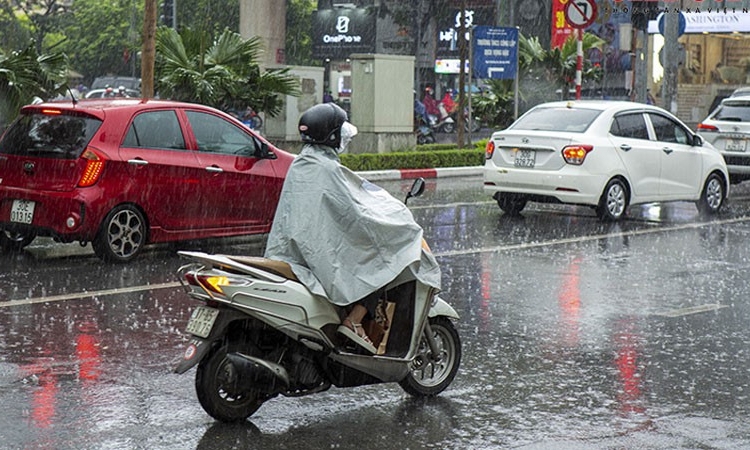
(667, 150)
(214, 169)
(138, 162)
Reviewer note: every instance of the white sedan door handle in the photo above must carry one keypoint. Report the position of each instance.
(625, 147)
(214, 169)
(667, 150)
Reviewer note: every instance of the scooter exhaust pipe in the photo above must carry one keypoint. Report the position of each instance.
(258, 374)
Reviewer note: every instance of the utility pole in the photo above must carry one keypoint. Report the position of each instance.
(148, 51)
(461, 76)
(670, 60)
(640, 66)
(641, 13)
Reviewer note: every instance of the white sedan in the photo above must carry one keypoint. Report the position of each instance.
(604, 154)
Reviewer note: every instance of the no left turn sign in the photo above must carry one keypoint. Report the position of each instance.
(580, 13)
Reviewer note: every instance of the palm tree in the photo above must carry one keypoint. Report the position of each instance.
(561, 62)
(24, 75)
(224, 73)
(541, 73)
(495, 106)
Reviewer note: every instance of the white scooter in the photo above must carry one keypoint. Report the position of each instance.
(444, 123)
(261, 333)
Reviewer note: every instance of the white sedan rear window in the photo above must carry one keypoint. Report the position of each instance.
(575, 120)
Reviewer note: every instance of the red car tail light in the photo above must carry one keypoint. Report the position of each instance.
(576, 154)
(706, 127)
(489, 150)
(94, 167)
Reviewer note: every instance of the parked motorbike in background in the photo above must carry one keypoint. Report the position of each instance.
(260, 333)
(423, 131)
(443, 123)
(249, 117)
(476, 124)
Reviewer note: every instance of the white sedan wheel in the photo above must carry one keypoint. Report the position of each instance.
(614, 201)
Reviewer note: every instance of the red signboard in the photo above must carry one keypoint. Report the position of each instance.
(561, 29)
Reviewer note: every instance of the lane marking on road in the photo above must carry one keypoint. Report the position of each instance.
(499, 248)
(89, 294)
(596, 237)
(681, 312)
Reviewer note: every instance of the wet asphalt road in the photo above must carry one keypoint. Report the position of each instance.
(576, 335)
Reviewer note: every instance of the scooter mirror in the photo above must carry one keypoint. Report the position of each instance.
(416, 189)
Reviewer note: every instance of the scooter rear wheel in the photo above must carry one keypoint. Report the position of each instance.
(428, 377)
(216, 386)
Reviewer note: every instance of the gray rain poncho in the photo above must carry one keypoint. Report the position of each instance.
(344, 237)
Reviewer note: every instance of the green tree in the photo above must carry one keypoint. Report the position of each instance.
(43, 17)
(212, 16)
(15, 35)
(25, 74)
(223, 73)
(104, 37)
(298, 38)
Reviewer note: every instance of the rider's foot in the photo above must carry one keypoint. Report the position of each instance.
(356, 333)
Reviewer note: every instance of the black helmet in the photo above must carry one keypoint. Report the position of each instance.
(321, 124)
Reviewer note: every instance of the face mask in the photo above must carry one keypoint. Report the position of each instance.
(348, 131)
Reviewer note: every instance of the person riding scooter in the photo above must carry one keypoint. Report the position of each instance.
(344, 238)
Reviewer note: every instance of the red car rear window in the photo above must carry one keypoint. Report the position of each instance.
(59, 136)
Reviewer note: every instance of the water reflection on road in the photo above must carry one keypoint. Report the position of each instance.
(576, 335)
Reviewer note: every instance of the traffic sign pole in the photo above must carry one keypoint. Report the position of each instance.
(580, 14)
(515, 88)
(579, 63)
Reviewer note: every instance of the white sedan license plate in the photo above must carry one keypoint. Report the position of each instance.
(202, 321)
(525, 158)
(22, 211)
(735, 145)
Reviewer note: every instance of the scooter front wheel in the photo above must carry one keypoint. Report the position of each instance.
(429, 376)
(448, 127)
(217, 387)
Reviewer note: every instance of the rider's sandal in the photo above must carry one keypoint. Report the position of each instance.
(356, 333)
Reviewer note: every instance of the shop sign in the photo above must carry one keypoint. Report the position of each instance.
(337, 33)
(448, 34)
(495, 52)
(728, 21)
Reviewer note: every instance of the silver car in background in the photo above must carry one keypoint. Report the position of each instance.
(728, 129)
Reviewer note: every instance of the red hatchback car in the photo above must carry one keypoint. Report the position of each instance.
(122, 173)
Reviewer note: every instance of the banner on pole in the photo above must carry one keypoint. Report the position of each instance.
(495, 52)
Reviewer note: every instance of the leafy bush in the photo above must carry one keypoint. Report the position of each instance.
(423, 157)
(494, 107)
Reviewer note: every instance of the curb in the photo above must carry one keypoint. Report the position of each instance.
(407, 174)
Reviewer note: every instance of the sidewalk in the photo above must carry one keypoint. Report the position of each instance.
(406, 174)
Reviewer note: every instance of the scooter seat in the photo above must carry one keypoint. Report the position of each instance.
(279, 268)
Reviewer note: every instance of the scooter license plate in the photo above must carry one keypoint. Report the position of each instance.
(202, 321)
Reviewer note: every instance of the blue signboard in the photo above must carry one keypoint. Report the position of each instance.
(495, 51)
